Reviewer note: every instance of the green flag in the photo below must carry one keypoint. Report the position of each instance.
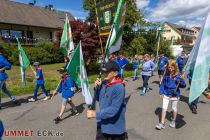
(115, 37)
(199, 61)
(24, 62)
(84, 80)
(66, 44)
(73, 67)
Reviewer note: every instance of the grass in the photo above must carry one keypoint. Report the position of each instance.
(51, 76)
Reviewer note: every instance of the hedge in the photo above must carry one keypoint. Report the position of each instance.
(43, 52)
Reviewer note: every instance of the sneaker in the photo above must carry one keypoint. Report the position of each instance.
(160, 126)
(194, 110)
(143, 91)
(148, 90)
(172, 124)
(31, 100)
(46, 98)
(57, 120)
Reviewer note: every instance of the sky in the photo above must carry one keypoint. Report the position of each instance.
(182, 12)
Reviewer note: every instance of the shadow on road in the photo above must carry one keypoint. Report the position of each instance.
(127, 99)
(12, 104)
(184, 99)
(179, 120)
(156, 82)
(80, 109)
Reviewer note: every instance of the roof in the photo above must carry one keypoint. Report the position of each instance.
(29, 15)
(197, 28)
(179, 28)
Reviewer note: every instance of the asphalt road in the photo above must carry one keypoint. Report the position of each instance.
(141, 117)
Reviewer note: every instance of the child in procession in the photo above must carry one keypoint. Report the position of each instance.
(163, 60)
(67, 88)
(135, 63)
(147, 68)
(39, 83)
(169, 91)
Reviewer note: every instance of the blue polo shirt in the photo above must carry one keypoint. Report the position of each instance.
(39, 73)
(181, 62)
(66, 87)
(6, 64)
(111, 116)
(162, 62)
(123, 61)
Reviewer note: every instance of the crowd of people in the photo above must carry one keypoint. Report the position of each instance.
(110, 91)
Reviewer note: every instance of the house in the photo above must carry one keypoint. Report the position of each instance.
(196, 30)
(181, 34)
(29, 23)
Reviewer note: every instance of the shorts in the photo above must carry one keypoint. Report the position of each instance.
(161, 72)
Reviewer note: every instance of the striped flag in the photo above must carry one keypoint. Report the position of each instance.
(24, 62)
(84, 79)
(199, 61)
(115, 36)
(67, 44)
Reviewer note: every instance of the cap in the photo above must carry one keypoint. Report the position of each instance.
(36, 64)
(110, 66)
(62, 69)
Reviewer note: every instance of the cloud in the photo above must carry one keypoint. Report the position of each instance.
(142, 3)
(180, 10)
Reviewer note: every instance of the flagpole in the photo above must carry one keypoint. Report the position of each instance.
(100, 40)
(93, 105)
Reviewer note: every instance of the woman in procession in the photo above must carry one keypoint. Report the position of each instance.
(147, 68)
(169, 91)
(135, 63)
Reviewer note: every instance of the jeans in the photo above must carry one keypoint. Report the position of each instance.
(37, 88)
(195, 102)
(145, 80)
(5, 90)
(135, 74)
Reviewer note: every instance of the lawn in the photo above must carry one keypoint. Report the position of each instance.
(51, 76)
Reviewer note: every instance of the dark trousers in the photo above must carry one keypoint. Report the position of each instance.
(145, 80)
(103, 136)
(37, 88)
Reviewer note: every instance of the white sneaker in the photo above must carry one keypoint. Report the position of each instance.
(31, 100)
(160, 126)
(46, 98)
(172, 124)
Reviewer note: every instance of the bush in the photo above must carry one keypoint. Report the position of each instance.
(42, 52)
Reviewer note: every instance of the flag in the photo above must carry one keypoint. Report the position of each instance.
(84, 79)
(66, 44)
(115, 36)
(24, 62)
(73, 68)
(199, 61)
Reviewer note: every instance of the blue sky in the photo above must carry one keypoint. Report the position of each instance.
(184, 12)
(73, 6)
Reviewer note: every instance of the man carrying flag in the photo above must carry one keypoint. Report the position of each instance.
(5, 65)
(67, 45)
(111, 92)
(199, 61)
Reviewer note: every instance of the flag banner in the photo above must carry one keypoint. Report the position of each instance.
(115, 37)
(84, 80)
(24, 62)
(199, 61)
(73, 68)
(66, 44)
(106, 11)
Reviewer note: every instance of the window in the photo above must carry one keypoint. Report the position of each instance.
(51, 35)
(14, 33)
(5, 33)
